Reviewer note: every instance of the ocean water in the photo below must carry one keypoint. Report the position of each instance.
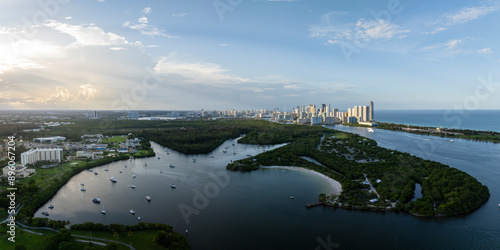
(486, 120)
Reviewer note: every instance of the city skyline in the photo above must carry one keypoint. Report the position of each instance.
(220, 54)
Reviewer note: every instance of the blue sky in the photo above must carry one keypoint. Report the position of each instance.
(245, 54)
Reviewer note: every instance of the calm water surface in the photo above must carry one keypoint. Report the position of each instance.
(254, 210)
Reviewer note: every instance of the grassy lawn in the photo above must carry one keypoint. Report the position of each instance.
(31, 241)
(340, 135)
(114, 139)
(139, 239)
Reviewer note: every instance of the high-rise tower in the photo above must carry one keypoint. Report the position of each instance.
(371, 117)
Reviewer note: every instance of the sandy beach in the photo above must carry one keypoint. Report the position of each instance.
(336, 187)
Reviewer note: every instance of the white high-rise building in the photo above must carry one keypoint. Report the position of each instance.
(42, 154)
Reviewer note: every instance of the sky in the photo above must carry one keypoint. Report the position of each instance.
(244, 54)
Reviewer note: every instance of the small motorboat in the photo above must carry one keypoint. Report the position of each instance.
(45, 213)
(83, 189)
(96, 200)
(172, 185)
(133, 186)
(133, 176)
(51, 206)
(132, 211)
(148, 198)
(292, 197)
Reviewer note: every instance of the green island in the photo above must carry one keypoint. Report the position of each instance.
(475, 135)
(354, 161)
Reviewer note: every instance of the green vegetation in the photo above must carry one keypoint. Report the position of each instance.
(348, 158)
(141, 235)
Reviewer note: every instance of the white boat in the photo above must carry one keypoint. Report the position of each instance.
(172, 165)
(139, 218)
(172, 185)
(112, 179)
(96, 200)
(133, 186)
(292, 197)
(451, 140)
(133, 176)
(102, 210)
(148, 198)
(371, 130)
(51, 206)
(132, 211)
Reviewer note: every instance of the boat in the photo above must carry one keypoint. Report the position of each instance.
(292, 197)
(90, 170)
(226, 147)
(81, 184)
(83, 189)
(172, 165)
(371, 130)
(120, 172)
(451, 140)
(106, 169)
(102, 210)
(112, 179)
(233, 144)
(145, 164)
(158, 158)
(172, 185)
(194, 160)
(132, 211)
(133, 176)
(148, 198)
(133, 186)
(51, 206)
(139, 218)
(211, 156)
(224, 151)
(45, 213)
(96, 200)
(95, 173)
(161, 171)
(249, 155)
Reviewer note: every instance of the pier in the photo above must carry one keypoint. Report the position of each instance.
(309, 205)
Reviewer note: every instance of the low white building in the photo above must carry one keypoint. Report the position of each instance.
(49, 139)
(86, 154)
(20, 171)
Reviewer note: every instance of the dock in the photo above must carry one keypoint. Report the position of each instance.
(309, 205)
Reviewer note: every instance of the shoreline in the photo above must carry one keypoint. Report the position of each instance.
(336, 186)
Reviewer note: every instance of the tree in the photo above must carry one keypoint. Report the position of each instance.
(112, 246)
(20, 247)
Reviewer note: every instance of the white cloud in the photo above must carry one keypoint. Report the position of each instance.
(378, 29)
(197, 72)
(146, 10)
(361, 30)
(486, 51)
(470, 13)
(435, 31)
(450, 45)
(180, 15)
(146, 29)
(68, 18)
(87, 34)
